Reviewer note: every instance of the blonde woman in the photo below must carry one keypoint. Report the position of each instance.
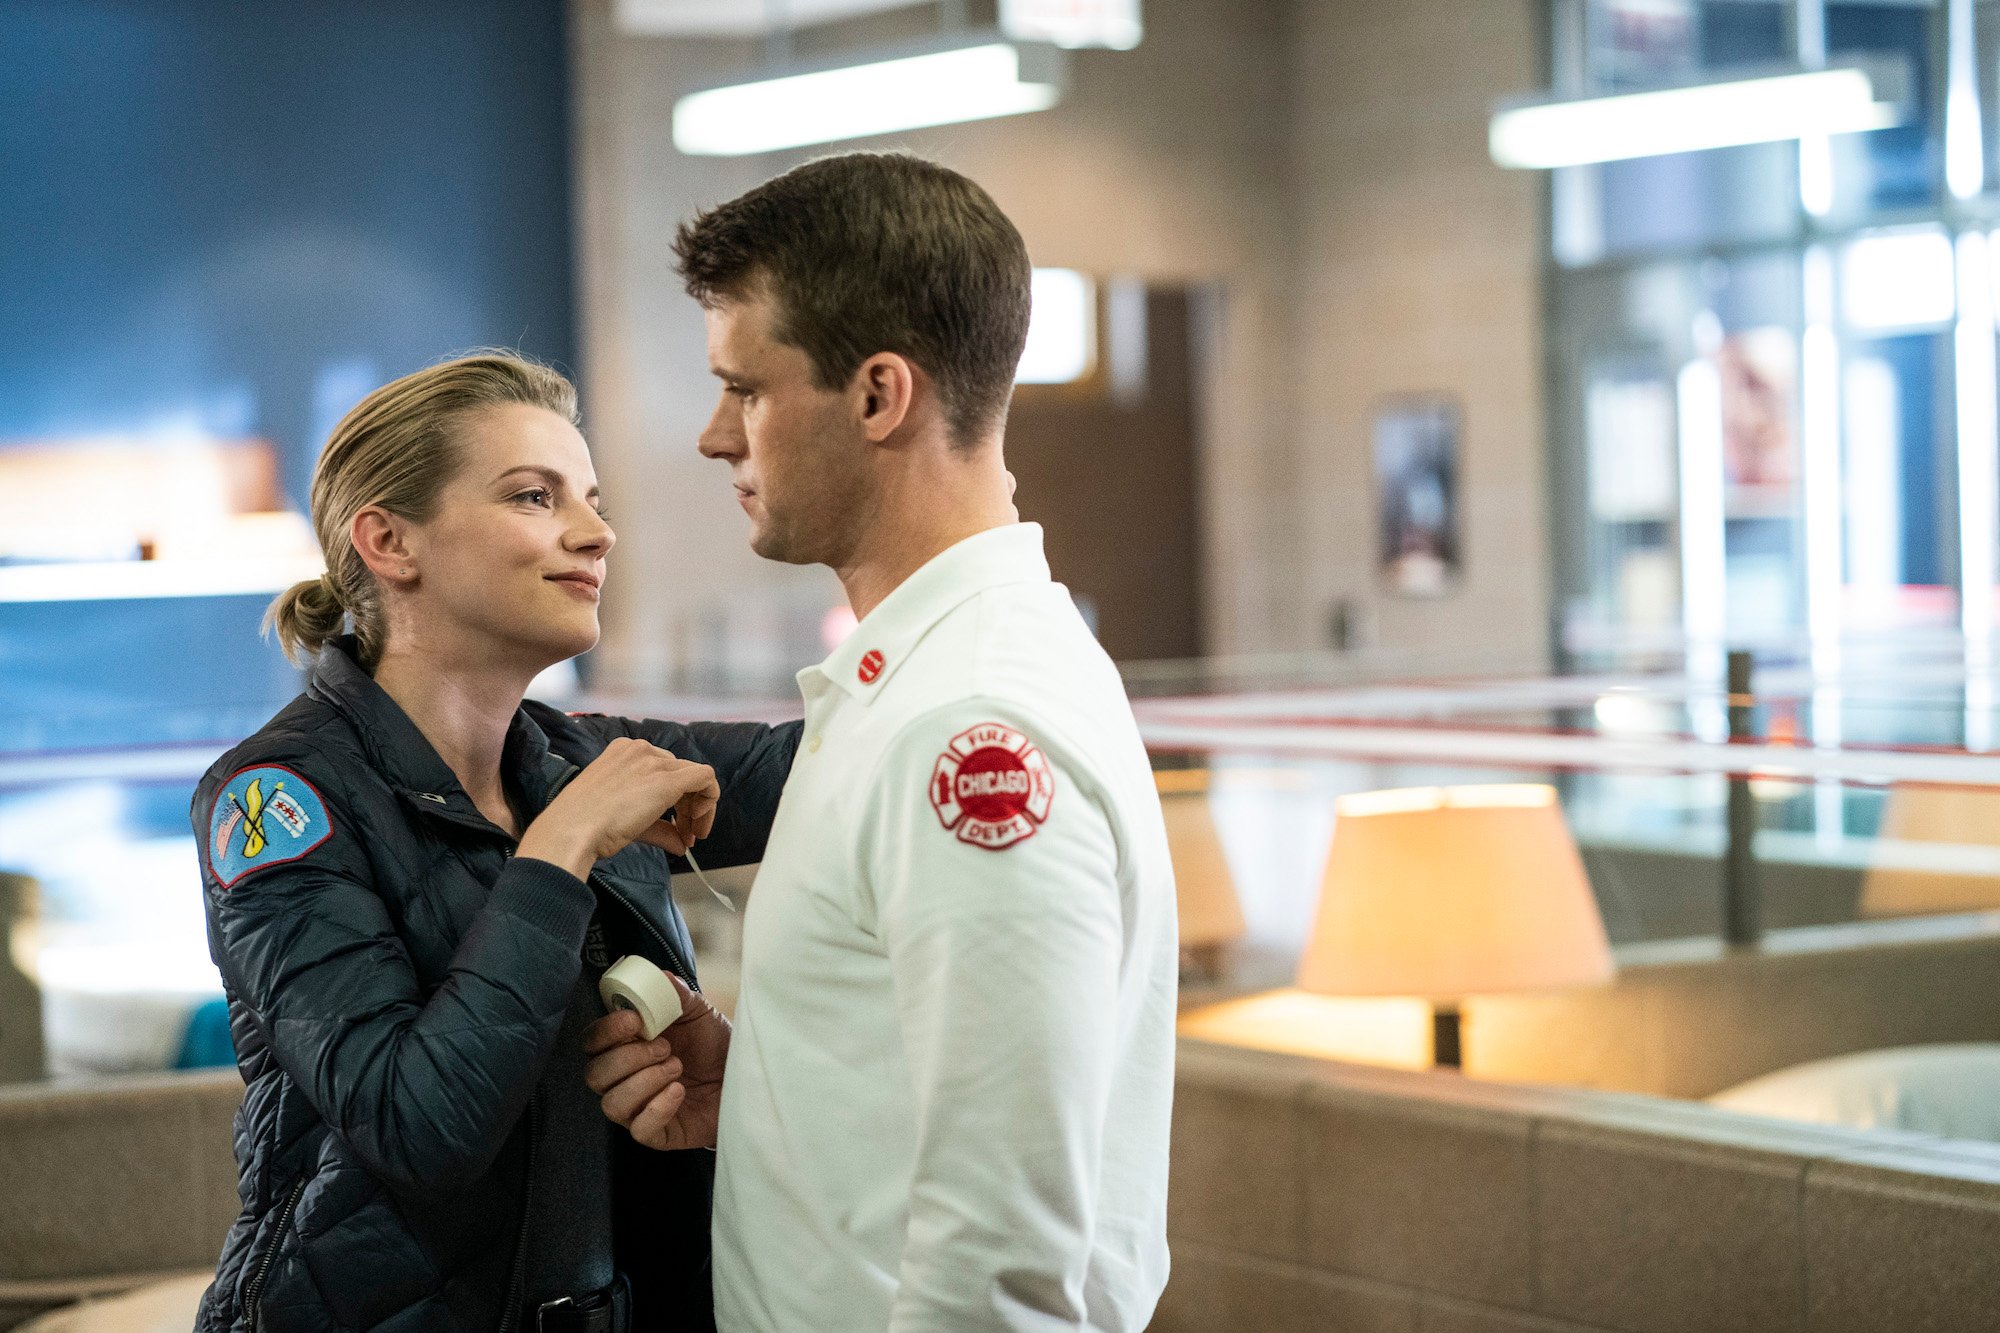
(414, 879)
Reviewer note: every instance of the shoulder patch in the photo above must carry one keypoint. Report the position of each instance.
(264, 816)
(992, 787)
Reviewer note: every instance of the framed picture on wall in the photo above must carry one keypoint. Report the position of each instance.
(1416, 486)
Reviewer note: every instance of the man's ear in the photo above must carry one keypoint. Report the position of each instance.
(383, 539)
(885, 390)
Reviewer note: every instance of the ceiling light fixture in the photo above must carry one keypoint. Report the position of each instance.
(975, 77)
(1760, 107)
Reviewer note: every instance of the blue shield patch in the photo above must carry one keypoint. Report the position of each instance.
(264, 816)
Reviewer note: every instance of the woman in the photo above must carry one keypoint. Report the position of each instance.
(414, 879)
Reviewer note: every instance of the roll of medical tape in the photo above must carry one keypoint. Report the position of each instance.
(635, 984)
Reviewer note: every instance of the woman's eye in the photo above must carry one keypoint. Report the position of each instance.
(538, 495)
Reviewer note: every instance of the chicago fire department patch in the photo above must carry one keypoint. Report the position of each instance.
(992, 786)
(264, 817)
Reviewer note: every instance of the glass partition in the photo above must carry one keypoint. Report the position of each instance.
(107, 956)
(1773, 420)
(1898, 820)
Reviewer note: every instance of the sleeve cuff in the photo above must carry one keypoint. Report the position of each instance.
(547, 896)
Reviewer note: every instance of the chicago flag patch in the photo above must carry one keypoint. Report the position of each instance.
(992, 786)
(264, 816)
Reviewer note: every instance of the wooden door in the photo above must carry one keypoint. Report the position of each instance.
(1108, 467)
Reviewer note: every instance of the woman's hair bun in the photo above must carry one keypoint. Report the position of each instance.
(305, 616)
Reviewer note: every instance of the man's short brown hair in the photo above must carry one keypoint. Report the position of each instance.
(877, 252)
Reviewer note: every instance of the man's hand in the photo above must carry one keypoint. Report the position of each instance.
(667, 1091)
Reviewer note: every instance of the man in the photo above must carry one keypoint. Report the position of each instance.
(947, 1098)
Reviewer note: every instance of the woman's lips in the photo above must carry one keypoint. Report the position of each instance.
(584, 585)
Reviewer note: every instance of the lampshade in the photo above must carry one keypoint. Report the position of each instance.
(1441, 892)
(1206, 894)
(1939, 851)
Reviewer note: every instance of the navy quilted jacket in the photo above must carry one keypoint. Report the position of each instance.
(396, 981)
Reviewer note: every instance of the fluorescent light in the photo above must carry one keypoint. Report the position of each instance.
(125, 580)
(1871, 428)
(1819, 431)
(1816, 175)
(1978, 448)
(1898, 280)
(1112, 24)
(735, 18)
(1720, 114)
(1815, 150)
(1704, 542)
(851, 101)
(1062, 328)
(1964, 151)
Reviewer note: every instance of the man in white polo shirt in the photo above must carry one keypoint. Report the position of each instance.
(947, 1098)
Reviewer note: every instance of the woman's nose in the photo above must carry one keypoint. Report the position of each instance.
(593, 534)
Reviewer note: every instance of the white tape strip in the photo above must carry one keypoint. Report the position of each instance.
(713, 892)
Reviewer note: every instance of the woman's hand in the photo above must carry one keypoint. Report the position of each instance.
(667, 1091)
(623, 797)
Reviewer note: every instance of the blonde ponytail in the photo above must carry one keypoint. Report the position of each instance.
(304, 617)
(396, 449)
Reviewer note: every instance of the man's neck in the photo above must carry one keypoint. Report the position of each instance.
(918, 517)
(464, 712)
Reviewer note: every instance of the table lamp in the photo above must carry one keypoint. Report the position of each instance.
(1443, 892)
(1210, 913)
(1938, 851)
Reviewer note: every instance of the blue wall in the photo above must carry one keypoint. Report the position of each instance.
(243, 216)
(239, 218)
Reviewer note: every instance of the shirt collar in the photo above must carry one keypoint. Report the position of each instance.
(885, 638)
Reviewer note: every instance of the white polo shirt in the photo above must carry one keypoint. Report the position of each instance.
(947, 1097)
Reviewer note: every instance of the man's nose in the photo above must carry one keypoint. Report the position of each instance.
(722, 437)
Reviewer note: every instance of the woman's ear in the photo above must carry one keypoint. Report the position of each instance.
(885, 389)
(383, 540)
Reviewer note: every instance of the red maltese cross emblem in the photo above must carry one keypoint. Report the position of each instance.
(992, 787)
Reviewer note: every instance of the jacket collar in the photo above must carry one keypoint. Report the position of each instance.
(887, 636)
(407, 760)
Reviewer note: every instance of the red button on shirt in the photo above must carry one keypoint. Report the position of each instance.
(871, 667)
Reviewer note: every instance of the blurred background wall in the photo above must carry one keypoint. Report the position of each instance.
(244, 217)
(239, 221)
(1314, 172)
(1418, 272)
(225, 224)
